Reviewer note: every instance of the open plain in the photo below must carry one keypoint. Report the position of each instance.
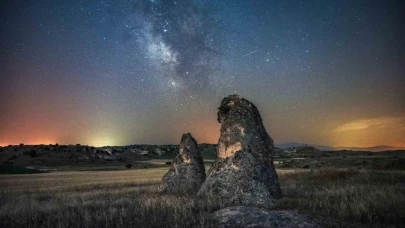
(333, 195)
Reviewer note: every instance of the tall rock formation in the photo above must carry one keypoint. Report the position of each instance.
(243, 173)
(187, 171)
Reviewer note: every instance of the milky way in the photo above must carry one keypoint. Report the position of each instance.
(182, 37)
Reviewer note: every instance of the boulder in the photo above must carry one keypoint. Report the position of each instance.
(187, 171)
(245, 217)
(243, 173)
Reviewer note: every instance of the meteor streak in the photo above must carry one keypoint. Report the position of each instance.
(249, 53)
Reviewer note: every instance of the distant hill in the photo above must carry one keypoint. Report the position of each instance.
(308, 150)
(296, 144)
(328, 148)
(301, 151)
(392, 153)
(16, 158)
(373, 148)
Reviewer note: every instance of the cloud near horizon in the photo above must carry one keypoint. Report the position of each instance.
(361, 124)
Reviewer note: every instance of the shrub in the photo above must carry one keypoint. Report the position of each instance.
(398, 164)
(128, 165)
(33, 153)
(13, 157)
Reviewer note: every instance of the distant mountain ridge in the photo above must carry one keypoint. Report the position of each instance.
(373, 148)
(322, 147)
(296, 144)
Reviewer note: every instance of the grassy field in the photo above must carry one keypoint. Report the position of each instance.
(96, 199)
(334, 197)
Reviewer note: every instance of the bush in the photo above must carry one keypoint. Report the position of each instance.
(15, 169)
(33, 153)
(128, 165)
(398, 164)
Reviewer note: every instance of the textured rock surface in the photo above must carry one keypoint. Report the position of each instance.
(243, 173)
(187, 171)
(255, 217)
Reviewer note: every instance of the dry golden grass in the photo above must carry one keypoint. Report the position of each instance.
(62, 181)
(347, 197)
(334, 197)
(96, 199)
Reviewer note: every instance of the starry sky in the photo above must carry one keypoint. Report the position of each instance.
(146, 71)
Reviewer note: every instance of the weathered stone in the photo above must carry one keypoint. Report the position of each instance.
(243, 173)
(187, 171)
(245, 217)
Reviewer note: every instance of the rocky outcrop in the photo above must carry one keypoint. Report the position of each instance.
(256, 217)
(187, 171)
(243, 173)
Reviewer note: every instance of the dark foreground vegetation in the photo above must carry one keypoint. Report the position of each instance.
(347, 197)
(15, 169)
(334, 197)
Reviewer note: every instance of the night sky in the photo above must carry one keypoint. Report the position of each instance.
(144, 72)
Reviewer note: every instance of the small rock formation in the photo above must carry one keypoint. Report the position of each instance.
(243, 173)
(187, 171)
(242, 216)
